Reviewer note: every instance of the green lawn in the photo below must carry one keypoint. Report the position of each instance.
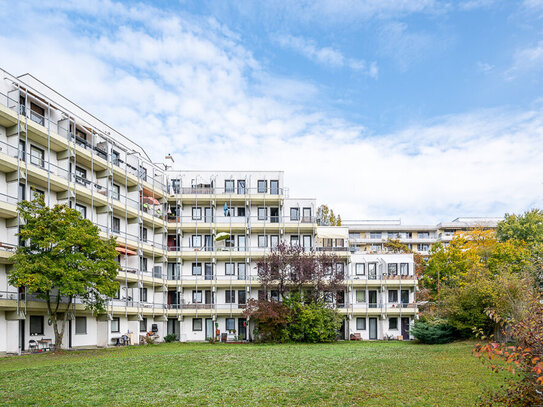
(340, 374)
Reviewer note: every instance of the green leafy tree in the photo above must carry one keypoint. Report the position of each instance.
(63, 258)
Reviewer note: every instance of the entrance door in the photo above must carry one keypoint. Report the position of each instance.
(405, 329)
(242, 329)
(173, 327)
(373, 328)
(209, 329)
(22, 334)
(70, 333)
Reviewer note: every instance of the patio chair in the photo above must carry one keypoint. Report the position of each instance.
(32, 345)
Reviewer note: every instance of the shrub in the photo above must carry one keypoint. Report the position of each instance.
(170, 338)
(313, 323)
(437, 333)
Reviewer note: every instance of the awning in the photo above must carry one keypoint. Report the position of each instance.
(149, 200)
(332, 232)
(126, 252)
(221, 236)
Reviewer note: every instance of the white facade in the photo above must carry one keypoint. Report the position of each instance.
(176, 277)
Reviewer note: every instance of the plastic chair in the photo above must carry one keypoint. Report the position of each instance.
(32, 345)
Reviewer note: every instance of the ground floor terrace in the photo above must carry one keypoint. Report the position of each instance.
(389, 373)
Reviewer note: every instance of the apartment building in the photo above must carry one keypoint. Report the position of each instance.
(370, 235)
(188, 241)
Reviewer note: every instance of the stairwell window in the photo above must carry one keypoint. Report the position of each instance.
(37, 156)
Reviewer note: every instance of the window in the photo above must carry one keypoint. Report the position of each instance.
(36, 325)
(196, 269)
(143, 263)
(143, 173)
(115, 325)
(242, 240)
(197, 296)
(422, 247)
(404, 269)
(294, 213)
(22, 150)
(274, 187)
(306, 215)
(82, 210)
(307, 243)
(241, 211)
(230, 324)
(115, 224)
(340, 268)
(392, 295)
(196, 213)
(360, 269)
(229, 186)
(262, 213)
(274, 241)
(360, 295)
(37, 156)
(174, 271)
(37, 113)
(143, 325)
(242, 275)
(393, 323)
(196, 241)
(262, 186)
(34, 193)
(375, 235)
(229, 269)
(242, 297)
(392, 269)
(196, 324)
(115, 157)
(80, 175)
(294, 240)
(209, 297)
(143, 294)
(230, 296)
(208, 271)
(424, 235)
(361, 324)
(262, 241)
(117, 294)
(393, 235)
(143, 234)
(116, 192)
(241, 187)
(372, 271)
(80, 325)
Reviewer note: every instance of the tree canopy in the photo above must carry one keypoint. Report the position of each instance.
(327, 217)
(63, 257)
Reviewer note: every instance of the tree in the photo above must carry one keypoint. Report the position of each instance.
(63, 258)
(306, 284)
(326, 216)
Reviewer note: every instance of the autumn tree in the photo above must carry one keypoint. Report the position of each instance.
(63, 258)
(305, 285)
(327, 217)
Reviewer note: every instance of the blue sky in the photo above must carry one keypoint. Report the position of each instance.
(422, 110)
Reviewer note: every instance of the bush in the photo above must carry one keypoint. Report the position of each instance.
(437, 333)
(170, 338)
(313, 323)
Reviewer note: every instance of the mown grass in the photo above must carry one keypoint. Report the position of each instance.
(340, 374)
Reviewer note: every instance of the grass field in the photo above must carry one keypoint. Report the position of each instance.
(341, 374)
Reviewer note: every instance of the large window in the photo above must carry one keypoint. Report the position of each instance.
(360, 269)
(80, 325)
(196, 269)
(230, 296)
(393, 323)
(82, 210)
(375, 235)
(360, 295)
(262, 186)
(262, 241)
(229, 186)
(197, 296)
(404, 269)
(230, 324)
(424, 235)
(196, 324)
(229, 269)
(143, 294)
(360, 324)
(294, 213)
(36, 325)
(196, 213)
(37, 156)
(115, 325)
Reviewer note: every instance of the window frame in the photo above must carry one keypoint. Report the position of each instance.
(395, 319)
(196, 265)
(40, 319)
(76, 330)
(360, 321)
(118, 322)
(264, 183)
(198, 214)
(295, 214)
(229, 296)
(194, 324)
(41, 156)
(262, 241)
(233, 321)
(357, 268)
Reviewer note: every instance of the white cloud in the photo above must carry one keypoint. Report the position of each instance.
(484, 67)
(526, 60)
(326, 55)
(189, 86)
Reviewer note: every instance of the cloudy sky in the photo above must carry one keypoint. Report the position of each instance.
(423, 110)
